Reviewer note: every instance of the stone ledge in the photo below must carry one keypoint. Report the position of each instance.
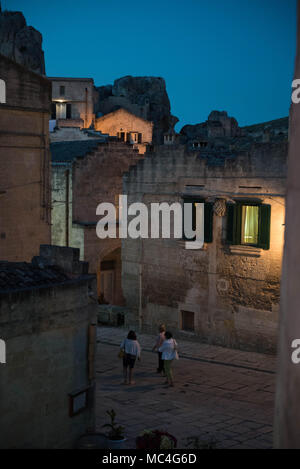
(241, 250)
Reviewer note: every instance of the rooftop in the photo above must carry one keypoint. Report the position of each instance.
(16, 276)
(68, 151)
(70, 79)
(55, 266)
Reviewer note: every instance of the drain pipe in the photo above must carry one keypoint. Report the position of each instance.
(140, 296)
(67, 212)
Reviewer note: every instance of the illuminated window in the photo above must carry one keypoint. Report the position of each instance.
(250, 215)
(249, 224)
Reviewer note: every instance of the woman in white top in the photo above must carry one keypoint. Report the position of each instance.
(132, 351)
(169, 352)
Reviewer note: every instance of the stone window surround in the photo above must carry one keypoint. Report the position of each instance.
(245, 250)
(190, 307)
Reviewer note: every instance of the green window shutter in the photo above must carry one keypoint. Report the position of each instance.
(208, 222)
(230, 220)
(234, 223)
(237, 224)
(264, 226)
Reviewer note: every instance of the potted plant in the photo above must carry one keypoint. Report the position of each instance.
(115, 436)
(156, 439)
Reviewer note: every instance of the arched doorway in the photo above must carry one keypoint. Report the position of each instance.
(109, 279)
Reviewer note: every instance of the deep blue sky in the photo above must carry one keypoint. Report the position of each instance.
(233, 55)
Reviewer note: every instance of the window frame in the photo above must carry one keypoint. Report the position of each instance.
(184, 321)
(234, 223)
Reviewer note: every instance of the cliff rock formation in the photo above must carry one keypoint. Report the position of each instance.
(20, 42)
(218, 124)
(143, 96)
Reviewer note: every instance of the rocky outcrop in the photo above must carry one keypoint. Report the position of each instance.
(20, 42)
(145, 97)
(218, 124)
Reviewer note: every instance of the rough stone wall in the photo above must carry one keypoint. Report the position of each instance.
(46, 335)
(233, 293)
(24, 163)
(124, 121)
(62, 207)
(97, 178)
(24, 88)
(80, 94)
(20, 42)
(46, 331)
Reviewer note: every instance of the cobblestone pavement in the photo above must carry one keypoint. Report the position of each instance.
(221, 394)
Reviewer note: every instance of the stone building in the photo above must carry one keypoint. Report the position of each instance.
(85, 174)
(63, 231)
(145, 97)
(47, 322)
(127, 127)
(287, 409)
(227, 292)
(24, 162)
(73, 101)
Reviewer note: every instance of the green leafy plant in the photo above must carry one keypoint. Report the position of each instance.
(194, 442)
(156, 439)
(116, 432)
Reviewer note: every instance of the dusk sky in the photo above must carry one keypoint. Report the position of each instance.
(233, 55)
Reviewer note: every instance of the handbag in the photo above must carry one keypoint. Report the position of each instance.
(121, 354)
(175, 350)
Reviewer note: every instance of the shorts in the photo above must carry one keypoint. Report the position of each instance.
(129, 360)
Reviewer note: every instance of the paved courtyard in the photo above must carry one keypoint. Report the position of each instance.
(220, 394)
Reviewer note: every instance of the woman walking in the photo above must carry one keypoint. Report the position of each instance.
(169, 353)
(159, 341)
(132, 351)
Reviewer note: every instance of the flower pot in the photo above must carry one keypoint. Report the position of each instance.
(115, 444)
